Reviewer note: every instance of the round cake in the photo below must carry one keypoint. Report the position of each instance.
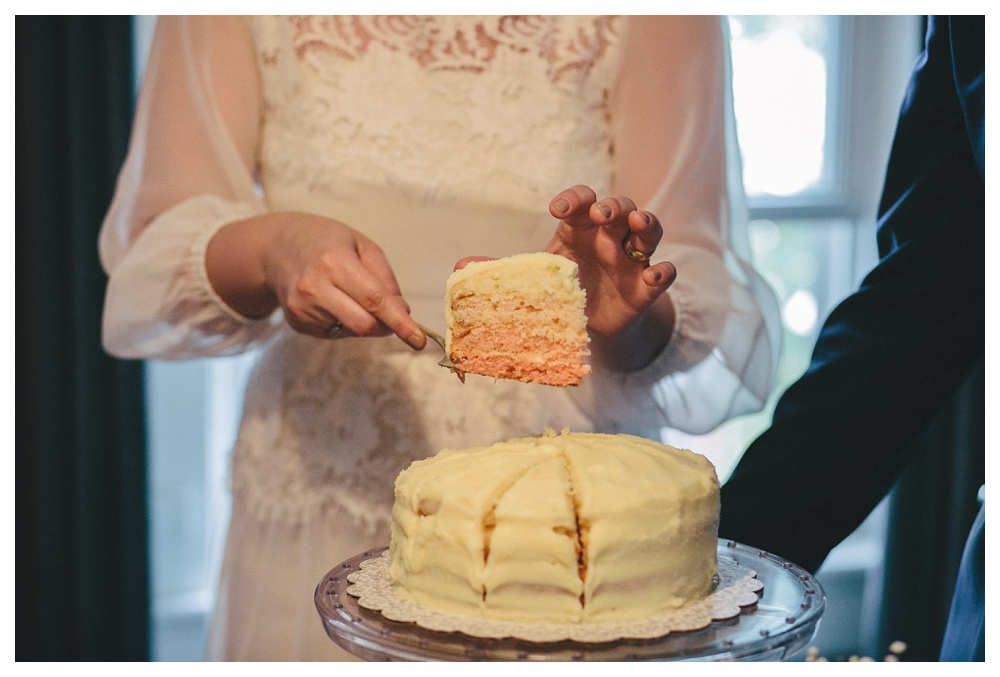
(569, 527)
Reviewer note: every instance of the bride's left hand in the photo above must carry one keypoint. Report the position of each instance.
(611, 241)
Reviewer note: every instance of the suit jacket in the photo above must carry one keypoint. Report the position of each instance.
(891, 354)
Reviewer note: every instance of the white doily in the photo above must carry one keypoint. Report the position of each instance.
(737, 587)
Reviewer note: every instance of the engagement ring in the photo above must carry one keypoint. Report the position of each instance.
(632, 252)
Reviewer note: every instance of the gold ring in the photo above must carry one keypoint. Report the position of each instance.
(334, 328)
(632, 252)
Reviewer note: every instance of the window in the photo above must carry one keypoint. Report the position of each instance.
(816, 103)
(787, 134)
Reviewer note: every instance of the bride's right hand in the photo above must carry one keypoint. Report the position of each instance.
(329, 280)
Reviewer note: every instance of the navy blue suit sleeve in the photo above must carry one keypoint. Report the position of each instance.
(892, 353)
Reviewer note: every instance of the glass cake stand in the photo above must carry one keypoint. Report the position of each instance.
(782, 622)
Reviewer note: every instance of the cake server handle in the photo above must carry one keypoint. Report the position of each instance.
(446, 360)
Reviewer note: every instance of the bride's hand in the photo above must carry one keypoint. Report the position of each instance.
(329, 280)
(611, 240)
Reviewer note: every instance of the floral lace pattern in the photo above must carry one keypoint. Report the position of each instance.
(493, 113)
(459, 43)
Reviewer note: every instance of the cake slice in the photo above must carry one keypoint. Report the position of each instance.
(520, 318)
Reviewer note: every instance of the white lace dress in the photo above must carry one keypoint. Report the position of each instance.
(437, 137)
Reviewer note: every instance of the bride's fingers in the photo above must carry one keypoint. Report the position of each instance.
(645, 232)
(310, 318)
(375, 263)
(354, 303)
(612, 214)
(572, 205)
(330, 313)
(376, 308)
(658, 278)
(463, 262)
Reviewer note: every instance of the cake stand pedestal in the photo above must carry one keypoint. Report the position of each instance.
(782, 622)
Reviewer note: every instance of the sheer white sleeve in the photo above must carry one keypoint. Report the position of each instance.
(676, 154)
(190, 171)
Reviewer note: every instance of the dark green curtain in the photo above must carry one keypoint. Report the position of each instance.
(81, 569)
(932, 507)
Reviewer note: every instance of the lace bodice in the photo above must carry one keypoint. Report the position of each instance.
(440, 106)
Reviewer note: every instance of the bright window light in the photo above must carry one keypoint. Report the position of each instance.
(780, 94)
(801, 312)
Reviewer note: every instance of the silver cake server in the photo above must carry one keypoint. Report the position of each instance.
(446, 360)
